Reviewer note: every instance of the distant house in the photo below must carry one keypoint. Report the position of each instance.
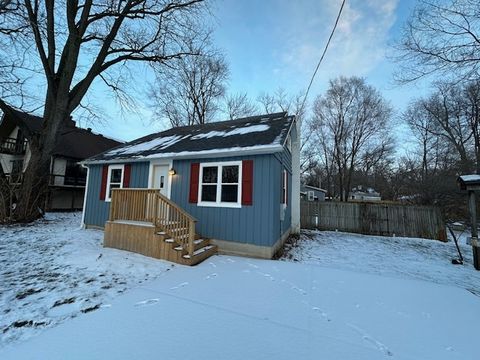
(181, 193)
(312, 193)
(360, 194)
(67, 177)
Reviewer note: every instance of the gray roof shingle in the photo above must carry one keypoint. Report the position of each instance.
(261, 134)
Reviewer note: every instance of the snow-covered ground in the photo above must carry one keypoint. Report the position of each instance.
(377, 298)
(238, 308)
(52, 270)
(407, 258)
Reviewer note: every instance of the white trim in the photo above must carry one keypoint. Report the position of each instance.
(218, 202)
(169, 163)
(289, 132)
(85, 198)
(113, 167)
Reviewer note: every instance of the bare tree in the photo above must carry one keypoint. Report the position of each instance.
(441, 37)
(71, 44)
(280, 100)
(189, 92)
(351, 119)
(239, 105)
(445, 117)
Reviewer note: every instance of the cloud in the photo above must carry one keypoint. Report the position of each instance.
(357, 47)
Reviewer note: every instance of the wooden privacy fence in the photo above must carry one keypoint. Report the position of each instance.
(374, 219)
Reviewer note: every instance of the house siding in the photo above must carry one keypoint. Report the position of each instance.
(257, 224)
(285, 160)
(96, 210)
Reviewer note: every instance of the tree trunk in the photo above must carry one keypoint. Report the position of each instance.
(34, 188)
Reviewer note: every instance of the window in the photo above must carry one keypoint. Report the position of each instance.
(311, 195)
(285, 187)
(75, 174)
(220, 184)
(114, 179)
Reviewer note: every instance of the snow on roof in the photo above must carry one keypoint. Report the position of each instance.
(470, 178)
(237, 131)
(256, 134)
(315, 188)
(155, 144)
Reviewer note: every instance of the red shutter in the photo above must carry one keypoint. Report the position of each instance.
(247, 182)
(194, 179)
(126, 175)
(103, 189)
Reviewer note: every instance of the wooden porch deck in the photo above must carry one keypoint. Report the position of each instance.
(146, 222)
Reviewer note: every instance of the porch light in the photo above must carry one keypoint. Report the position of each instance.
(172, 171)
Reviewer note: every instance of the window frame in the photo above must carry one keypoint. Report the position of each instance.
(219, 183)
(108, 187)
(284, 199)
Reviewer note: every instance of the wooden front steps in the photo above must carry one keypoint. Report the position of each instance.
(146, 222)
(176, 252)
(144, 239)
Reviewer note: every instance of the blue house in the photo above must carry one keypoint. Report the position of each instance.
(184, 193)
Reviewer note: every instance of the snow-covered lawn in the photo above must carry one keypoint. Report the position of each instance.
(238, 308)
(368, 301)
(52, 270)
(406, 258)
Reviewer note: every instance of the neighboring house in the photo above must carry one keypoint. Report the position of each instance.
(67, 176)
(229, 181)
(312, 193)
(360, 194)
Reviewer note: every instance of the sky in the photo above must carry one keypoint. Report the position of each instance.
(273, 44)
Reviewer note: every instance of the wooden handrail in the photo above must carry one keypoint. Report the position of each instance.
(171, 203)
(151, 206)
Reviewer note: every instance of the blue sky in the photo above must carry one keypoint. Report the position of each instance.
(277, 43)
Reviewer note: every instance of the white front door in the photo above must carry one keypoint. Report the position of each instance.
(161, 179)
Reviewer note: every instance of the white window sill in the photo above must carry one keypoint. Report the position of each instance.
(222, 205)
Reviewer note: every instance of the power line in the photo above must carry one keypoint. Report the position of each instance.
(323, 55)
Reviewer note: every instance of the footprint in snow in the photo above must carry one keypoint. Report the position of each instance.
(179, 286)
(230, 260)
(147, 302)
(253, 266)
(301, 291)
(380, 346)
(211, 276)
(322, 313)
(269, 277)
(212, 265)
